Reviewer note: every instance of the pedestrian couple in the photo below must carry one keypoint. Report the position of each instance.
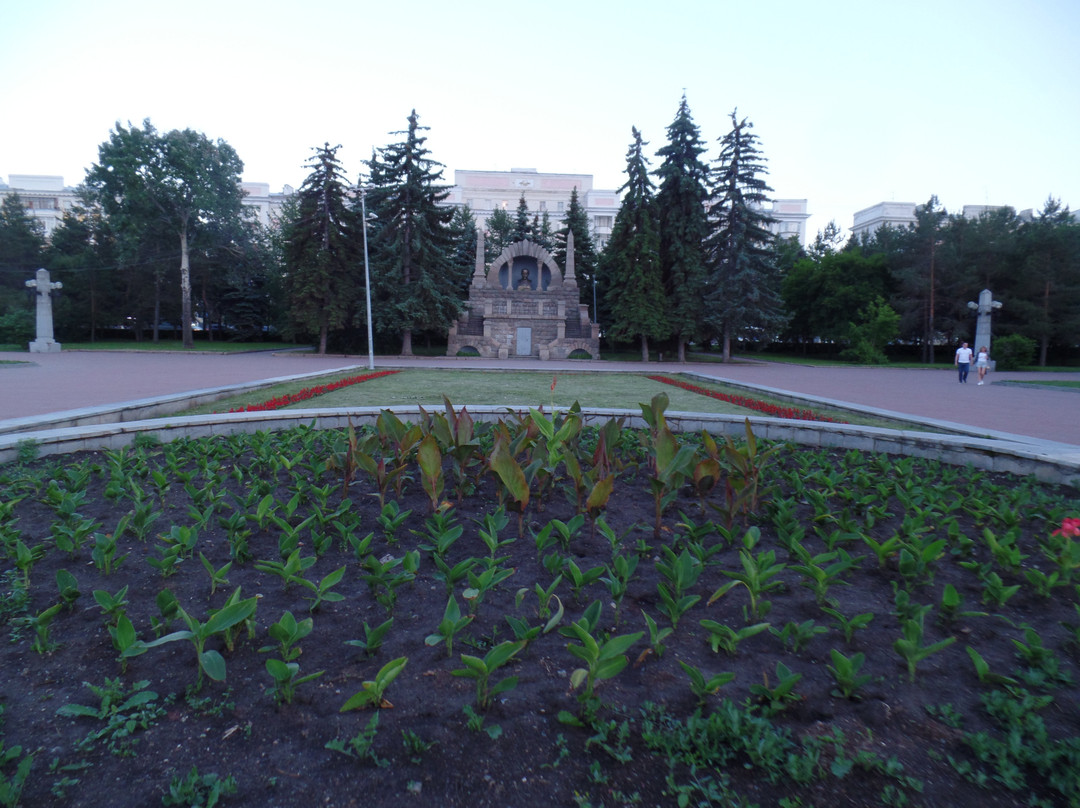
(963, 362)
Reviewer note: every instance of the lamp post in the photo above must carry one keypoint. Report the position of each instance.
(367, 278)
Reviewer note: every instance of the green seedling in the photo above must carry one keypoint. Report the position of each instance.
(373, 637)
(70, 533)
(360, 547)
(982, 670)
(25, 558)
(286, 677)
(217, 576)
(775, 699)
(321, 591)
(727, 638)
(112, 605)
(849, 625)
(490, 526)
(758, 577)
(486, 581)
(544, 597)
(288, 631)
(619, 574)
(578, 578)
(104, 551)
(452, 576)
(11, 786)
(199, 790)
(526, 633)
(451, 623)
(845, 672)
(910, 645)
(481, 671)
(797, 636)
(373, 693)
(290, 571)
(702, 687)
(603, 660)
(68, 588)
(210, 661)
(883, 551)
(657, 636)
(125, 641)
(237, 533)
(822, 571)
(121, 714)
(391, 518)
(995, 592)
(514, 485)
(168, 560)
(41, 623)
(384, 576)
(415, 746)
(361, 747)
(475, 722)
(168, 608)
(289, 539)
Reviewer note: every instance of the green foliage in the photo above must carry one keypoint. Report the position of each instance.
(361, 747)
(1014, 352)
(120, 713)
(875, 327)
(196, 790)
(481, 670)
(373, 692)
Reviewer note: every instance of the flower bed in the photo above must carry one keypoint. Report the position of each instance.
(310, 392)
(764, 407)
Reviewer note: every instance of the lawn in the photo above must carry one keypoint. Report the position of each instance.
(508, 388)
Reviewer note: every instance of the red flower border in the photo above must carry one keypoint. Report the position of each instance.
(311, 392)
(764, 407)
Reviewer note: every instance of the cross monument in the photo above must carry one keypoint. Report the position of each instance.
(44, 342)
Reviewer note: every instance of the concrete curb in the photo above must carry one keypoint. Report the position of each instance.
(1051, 463)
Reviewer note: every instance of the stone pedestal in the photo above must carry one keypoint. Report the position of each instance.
(43, 310)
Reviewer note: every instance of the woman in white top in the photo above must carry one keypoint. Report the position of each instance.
(982, 362)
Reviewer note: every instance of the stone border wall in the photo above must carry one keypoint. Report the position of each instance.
(990, 455)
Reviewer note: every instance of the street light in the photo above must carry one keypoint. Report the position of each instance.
(367, 278)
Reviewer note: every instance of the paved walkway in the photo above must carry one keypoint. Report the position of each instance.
(73, 379)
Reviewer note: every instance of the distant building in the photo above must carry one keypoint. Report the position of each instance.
(902, 214)
(46, 198)
(789, 218)
(483, 191)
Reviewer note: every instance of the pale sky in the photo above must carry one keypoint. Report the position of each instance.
(977, 101)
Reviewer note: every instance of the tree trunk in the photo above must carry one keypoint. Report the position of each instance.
(1044, 341)
(185, 291)
(682, 351)
(323, 329)
(644, 348)
(727, 343)
(157, 306)
(406, 343)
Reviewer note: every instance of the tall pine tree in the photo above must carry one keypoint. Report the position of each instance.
(680, 204)
(585, 259)
(630, 266)
(320, 249)
(743, 285)
(521, 220)
(413, 244)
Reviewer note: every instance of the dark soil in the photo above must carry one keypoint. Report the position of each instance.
(895, 741)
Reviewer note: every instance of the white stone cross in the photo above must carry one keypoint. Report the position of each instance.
(44, 342)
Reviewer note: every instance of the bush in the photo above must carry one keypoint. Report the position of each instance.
(579, 353)
(17, 326)
(1013, 352)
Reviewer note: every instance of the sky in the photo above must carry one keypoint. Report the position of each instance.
(854, 103)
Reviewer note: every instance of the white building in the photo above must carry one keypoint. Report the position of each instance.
(46, 198)
(483, 191)
(902, 214)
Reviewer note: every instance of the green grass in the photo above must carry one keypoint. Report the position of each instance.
(1045, 383)
(503, 388)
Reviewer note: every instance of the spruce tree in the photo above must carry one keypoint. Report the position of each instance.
(499, 235)
(630, 267)
(321, 243)
(412, 248)
(743, 284)
(521, 220)
(585, 259)
(680, 204)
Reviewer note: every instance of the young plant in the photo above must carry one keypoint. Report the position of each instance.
(361, 747)
(845, 672)
(775, 699)
(603, 660)
(373, 692)
(68, 588)
(391, 518)
(758, 576)
(286, 677)
(481, 670)
(373, 637)
(210, 661)
(217, 576)
(490, 527)
(849, 625)
(910, 646)
(703, 687)
(680, 573)
(41, 623)
(430, 460)
(452, 622)
(196, 790)
(727, 638)
(121, 715)
(798, 635)
(657, 636)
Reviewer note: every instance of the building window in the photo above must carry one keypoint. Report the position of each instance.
(559, 206)
(602, 222)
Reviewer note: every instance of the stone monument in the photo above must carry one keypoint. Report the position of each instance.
(44, 288)
(524, 305)
(984, 307)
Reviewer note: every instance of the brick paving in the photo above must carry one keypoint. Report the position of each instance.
(76, 379)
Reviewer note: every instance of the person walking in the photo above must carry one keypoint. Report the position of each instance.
(982, 362)
(963, 361)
